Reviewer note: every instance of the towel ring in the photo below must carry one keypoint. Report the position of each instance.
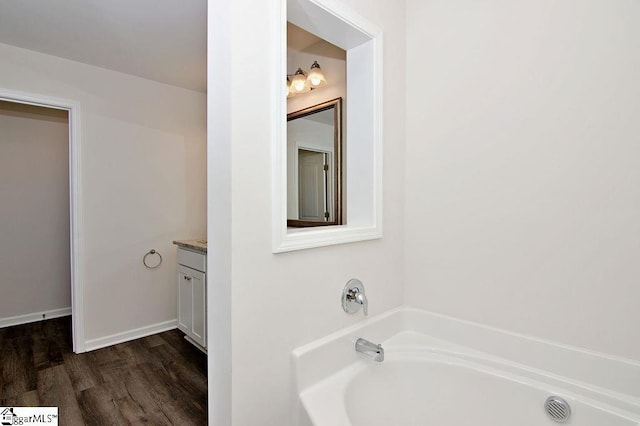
(151, 252)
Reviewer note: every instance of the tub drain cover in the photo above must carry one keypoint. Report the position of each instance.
(557, 409)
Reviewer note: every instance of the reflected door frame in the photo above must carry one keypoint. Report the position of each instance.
(328, 180)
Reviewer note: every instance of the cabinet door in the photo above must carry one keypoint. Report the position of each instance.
(185, 298)
(199, 308)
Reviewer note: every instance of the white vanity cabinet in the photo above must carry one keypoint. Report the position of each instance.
(192, 295)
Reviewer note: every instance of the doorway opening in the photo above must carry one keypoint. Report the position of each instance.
(41, 223)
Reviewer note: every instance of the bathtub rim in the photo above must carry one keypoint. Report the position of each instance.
(317, 360)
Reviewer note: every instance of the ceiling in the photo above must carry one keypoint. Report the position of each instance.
(299, 39)
(161, 40)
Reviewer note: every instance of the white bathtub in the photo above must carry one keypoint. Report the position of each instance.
(476, 376)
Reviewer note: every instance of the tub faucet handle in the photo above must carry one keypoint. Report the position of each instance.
(353, 297)
(362, 299)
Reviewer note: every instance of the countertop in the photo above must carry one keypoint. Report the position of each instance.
(197, 245)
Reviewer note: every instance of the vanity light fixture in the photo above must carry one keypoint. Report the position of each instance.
(299, 82)
(315, 78)
(303, 82)
(289, 89)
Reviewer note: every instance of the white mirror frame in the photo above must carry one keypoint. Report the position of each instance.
(337, 23)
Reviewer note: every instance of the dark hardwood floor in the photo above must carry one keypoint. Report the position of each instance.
(157, 380)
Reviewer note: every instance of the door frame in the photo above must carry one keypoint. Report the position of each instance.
(329, 185)
(75, 204)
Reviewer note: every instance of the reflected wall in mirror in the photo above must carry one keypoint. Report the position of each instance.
(314, 159)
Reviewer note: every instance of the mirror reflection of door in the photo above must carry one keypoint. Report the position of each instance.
(314, 169)
(313, 185)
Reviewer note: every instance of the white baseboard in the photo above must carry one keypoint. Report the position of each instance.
(33, 317)
(126, 336)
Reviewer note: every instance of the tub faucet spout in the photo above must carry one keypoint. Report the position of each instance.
(373, 351)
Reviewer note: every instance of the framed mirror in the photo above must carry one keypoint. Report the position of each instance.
(314, 165)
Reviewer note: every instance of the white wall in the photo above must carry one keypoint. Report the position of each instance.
(34, 218)
(266, 304)
(522, 167)
(143, 168)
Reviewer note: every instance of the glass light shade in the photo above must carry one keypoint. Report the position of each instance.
(289, 89)
(316, 78)
(299, 82)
